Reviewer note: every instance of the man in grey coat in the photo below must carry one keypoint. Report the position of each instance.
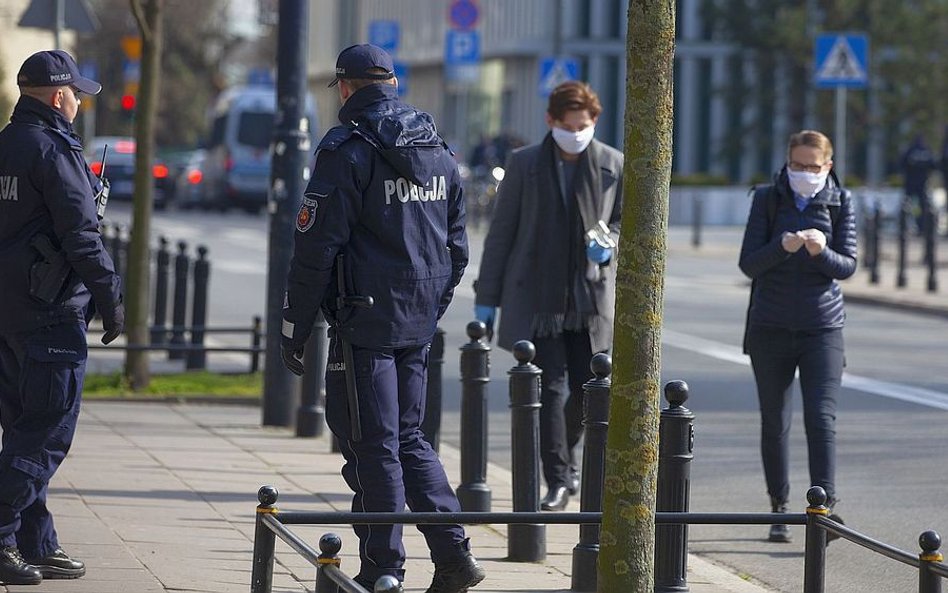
(549, 264)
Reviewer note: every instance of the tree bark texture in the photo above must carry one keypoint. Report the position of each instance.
(626, 558)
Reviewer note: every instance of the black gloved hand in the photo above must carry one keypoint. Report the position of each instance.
(292, 357)
(113, 323)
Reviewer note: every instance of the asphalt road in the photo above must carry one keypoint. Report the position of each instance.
(891, 436)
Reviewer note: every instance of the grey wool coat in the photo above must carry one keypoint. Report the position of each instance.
(511, 273)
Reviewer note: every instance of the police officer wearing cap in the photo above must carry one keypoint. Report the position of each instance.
(385, 194)
(48, 222)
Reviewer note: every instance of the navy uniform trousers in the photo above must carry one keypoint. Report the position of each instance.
(41, 374)
(392, 465)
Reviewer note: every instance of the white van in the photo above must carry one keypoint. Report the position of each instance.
(237, 162)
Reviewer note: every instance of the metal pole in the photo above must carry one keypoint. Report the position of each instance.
(264, 541)
(901, 280)
(431, 425)
(839, 156)
(596, 424)
(931, 246)
(876, 242)
(676, 446)
(696, 221)
(59, 24)
(929, 582)
(162, 268)
(197, 359)
(814, 555)
(311, 417)
(525, 542)
(179, 312)
(290, 150)
(256, 336)
(473, 493)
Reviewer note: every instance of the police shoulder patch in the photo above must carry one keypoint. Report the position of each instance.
(306, 217)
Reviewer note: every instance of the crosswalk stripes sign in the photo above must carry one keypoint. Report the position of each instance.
(841, 61)
(554, 71)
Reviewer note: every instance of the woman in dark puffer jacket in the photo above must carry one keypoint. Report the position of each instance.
(799, 240)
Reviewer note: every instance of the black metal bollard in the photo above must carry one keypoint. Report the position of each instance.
(931, 248)
(256, 336)
(159, 333)
(311, 417)
(179, 312)
(929, 582)
(697, 205)
(876, 242)
(596, 423)
(264, 540)
(473, 493)
(814, 556)
(329, 546)
(431, 425)
(525, 543)
(676, 446)
(197, 359)
(119, 249)
(903, 244)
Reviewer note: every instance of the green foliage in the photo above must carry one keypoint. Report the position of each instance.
(198, 383)
(699, 179)
(6, 104)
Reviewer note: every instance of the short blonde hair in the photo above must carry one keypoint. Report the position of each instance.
(813, 139)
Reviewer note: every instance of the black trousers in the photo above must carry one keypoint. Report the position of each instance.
(564, 360)
(775, 355)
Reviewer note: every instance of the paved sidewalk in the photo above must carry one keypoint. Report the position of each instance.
(160, 497)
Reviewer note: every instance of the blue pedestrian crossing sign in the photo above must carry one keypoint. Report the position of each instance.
(554, 71)
(841, 60)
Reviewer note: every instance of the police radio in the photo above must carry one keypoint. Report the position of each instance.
(102, 198)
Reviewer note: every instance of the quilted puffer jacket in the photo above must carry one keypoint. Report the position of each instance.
(798, 291)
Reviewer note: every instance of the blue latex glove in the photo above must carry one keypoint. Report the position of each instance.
(486, 315)
(597, 253)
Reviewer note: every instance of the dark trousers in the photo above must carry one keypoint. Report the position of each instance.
(392, 465)
(775, 355)
(564, 360)
(41, 374)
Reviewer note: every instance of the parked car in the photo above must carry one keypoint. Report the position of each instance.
(236, 169)
(120, 169)
(189, 186)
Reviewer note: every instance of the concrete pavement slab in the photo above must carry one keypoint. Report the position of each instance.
(160, 497)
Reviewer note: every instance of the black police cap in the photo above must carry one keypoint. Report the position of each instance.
(357, 61)
(54, 68)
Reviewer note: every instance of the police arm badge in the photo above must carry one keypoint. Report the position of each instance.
(306, 217)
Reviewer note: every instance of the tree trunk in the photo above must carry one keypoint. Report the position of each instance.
(138, 278)
(626, 558)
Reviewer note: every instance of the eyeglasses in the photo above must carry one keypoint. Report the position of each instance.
(76, 93)
(795, 166)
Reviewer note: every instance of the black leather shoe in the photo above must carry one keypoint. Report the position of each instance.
(574, 482)
(779, 533)
(59, 565)
(457, 576)
(16, 571)
(556, 499)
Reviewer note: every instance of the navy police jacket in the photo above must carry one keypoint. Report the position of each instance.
(797, 291)
(386, 193)
(46, 187)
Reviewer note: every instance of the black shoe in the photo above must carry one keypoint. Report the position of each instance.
(370, 587)
(779, 533)
(14, 570)
(457, 576)
(574, 482)
(59, 565)
(556, 499)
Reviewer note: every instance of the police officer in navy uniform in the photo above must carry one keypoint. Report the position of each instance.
(386, 194)
(48, 193)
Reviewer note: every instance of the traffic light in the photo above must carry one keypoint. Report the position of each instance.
(128, 103)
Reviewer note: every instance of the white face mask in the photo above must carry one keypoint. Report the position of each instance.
(805, 183)
(573, 142)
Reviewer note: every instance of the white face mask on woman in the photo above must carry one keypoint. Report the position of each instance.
(573, 142)
(807, 184)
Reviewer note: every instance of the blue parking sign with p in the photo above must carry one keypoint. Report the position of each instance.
(461, 47)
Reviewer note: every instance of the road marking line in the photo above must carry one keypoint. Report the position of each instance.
(720, 351)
